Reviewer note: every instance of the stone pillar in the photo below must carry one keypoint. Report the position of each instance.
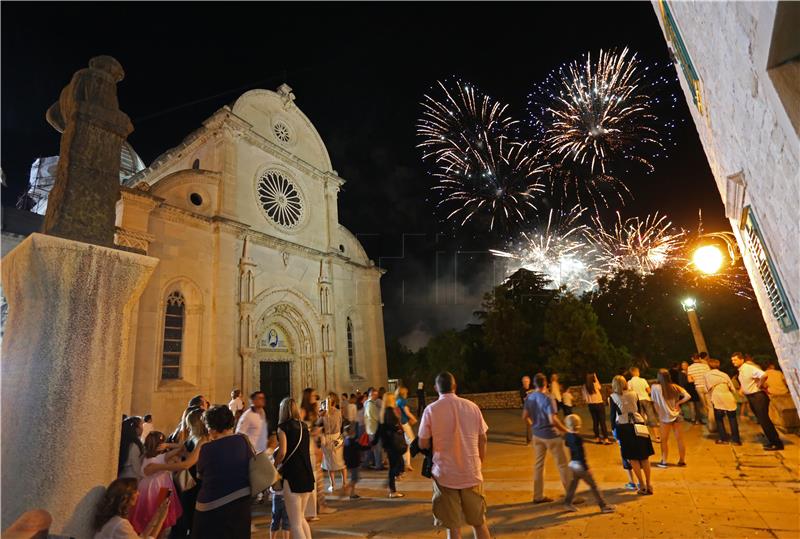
(63, 370)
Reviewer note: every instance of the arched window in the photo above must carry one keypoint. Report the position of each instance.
(351, 347)
(196, 164)
(174, 318)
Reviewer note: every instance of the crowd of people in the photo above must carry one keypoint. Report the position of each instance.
(195, 481)
(642, 415)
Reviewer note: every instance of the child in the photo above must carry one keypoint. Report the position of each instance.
(579, 467)
(352, 459)
(279, 528)
(157, 467)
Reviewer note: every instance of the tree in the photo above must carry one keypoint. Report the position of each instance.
(578, 344)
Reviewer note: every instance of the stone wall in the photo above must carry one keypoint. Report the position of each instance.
(748, 137)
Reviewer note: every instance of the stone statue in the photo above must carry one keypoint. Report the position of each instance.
(82, 203)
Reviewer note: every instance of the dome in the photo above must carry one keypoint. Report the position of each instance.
(130, 163)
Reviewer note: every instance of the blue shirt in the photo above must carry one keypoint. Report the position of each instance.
(540, 408)
(401, 404)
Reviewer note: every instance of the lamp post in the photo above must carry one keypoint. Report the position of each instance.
(689, 305)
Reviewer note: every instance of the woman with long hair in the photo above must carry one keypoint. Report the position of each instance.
(667, 399)
(131, 449)
(111, 514)
(293, 459)
(593, 396)
(393, 439)
(635, 449)
(190, 487)
(406, 420)
(309, 414)
(332, 442)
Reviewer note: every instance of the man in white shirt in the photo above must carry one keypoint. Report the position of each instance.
(236, 405)
(455, 429)
(372, 418)
(696, 374)
(642, 389)
(253, 422)
(750, 379)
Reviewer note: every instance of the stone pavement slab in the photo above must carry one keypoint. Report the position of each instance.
(725, 491)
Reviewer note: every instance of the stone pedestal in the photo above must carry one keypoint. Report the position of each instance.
(64, 356)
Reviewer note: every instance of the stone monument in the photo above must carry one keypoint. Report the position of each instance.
(93, 130)
(70, 303)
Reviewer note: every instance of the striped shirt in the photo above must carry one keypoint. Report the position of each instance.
(698, 371)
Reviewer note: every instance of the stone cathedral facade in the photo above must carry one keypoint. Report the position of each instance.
(258, 285)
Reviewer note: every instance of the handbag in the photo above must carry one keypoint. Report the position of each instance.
(641, 430)
(184, 480)
(363, 440)
(261, 470)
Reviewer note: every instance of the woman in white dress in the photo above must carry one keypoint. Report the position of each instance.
(330, 419)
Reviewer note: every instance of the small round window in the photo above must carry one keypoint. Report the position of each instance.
(280, 199)
(196, 199)
(282, 132)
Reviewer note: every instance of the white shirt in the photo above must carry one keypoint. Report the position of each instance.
(236, 405)
(350, 411)
(372, 415)
(749, 375)
(640, 386)
(117, 528)
(254, 425)
(697, 371)
(668, 410)
(555, 390)
(721, 389)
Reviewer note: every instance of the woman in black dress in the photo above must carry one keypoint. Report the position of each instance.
(625, 414)
(394, 442)
(293, 459)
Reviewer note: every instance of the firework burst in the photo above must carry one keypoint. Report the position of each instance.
(482, 170)
(642, 245)
(558, 250)
(595, 118)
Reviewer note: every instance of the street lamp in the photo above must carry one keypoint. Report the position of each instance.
(689, 305)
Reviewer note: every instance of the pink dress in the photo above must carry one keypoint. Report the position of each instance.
(147, 505)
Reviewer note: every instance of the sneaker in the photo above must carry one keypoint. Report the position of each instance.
(354, 496)
(326, 510)
(773, 448)
(662, 465)
(396, 495)
(571, 508)
(543, 499)
(631, 486)
(607, 509)
(330, 488)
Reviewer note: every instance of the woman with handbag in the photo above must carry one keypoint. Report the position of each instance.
(332, 442)
(293, 459)
(394, 442)
(222, 510)
(667, 399)
(631, 431)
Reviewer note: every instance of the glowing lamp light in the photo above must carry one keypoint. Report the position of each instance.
(689, 304)
(708, 259)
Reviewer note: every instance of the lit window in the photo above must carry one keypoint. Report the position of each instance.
(681, 55)
(173, 337)
(351, 347)
(781, 309)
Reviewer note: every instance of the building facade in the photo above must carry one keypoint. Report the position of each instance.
(258, 285)
(739, 67)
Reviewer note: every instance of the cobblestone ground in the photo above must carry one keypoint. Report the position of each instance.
(725, 491)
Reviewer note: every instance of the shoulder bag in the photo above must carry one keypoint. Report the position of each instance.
(261, 470)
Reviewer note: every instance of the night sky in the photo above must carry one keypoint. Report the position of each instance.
(359, 72)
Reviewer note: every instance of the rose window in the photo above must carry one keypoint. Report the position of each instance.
(282, 132)
(280, 199)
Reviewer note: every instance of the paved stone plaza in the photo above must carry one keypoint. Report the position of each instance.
(724, 491)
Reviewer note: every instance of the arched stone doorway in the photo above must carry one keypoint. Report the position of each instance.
(283, 362)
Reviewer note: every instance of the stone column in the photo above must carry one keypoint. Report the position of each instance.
(63, 366)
